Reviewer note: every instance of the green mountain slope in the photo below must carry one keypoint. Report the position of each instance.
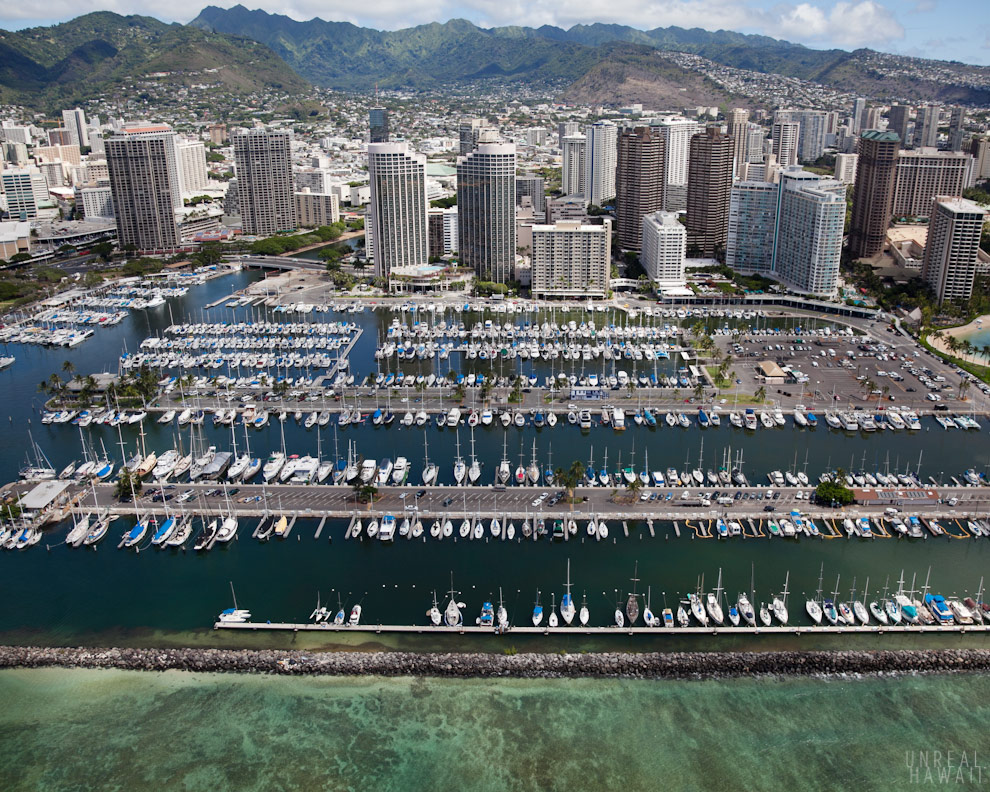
(96, 53)
(342, 55)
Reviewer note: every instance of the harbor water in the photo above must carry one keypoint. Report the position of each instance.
(172, 596)
(174, 730)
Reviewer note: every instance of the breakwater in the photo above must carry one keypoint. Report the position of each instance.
(655, 665)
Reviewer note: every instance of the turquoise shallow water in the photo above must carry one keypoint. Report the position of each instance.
(116, 730)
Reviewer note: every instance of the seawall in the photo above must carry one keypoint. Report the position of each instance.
(654, 665)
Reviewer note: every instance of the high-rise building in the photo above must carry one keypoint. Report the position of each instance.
(26, 189)
(572, 174)
(146, 187)
(738, 128)
(434, 231)
(755, 137)
(443, 231)
(639, 182)
(316, 209)
(468, 133)
(845, 168)
(570, 259)
(926, 127)
(61, 136)
(67, 154)
(96, 202)
(811, 133)
(218, 134)
(859, 106)
(486, 203)
(811, 212)
(397, 211)
(708, 190)
(951, 252)
(12, 133)
(784, 135)
(873, 196)
(923, 173)
(677, 133)
(871, 119)
(533, 187)
(979, 148)
(263, 159)
(192, 166)
(567, 129)
(752, 225)
(663, 249)
(599, 162)
(956, 121)
(536, 136)
(75, 122)
(897, 121)
(15, 154)
(378, 122)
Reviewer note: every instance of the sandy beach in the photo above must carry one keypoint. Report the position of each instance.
(981, 323)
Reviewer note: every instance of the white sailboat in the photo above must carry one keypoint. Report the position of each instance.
(567, 609)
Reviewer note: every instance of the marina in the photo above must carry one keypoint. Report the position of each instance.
(304, 533)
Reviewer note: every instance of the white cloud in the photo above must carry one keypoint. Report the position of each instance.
(846, 23)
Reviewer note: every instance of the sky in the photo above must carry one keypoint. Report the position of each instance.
(942, 29)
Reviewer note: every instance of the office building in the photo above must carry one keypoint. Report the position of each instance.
(708, 191)
(145, 184)
(263, 161)
(11, 133)
(486, 203)
(640, 182)
(677, 133)
(469, 133)
(316, 209)
(26, 190)
(751, 228)
(873, 196)
(599, 162)
(572, 172)
(192, 166)
(534, 188)
(738, 128)
(951, 252)
(75, 122)
(859, 107)
(811, 212)
(96, 201)
(784, 137)
(571, 259)
(956, 121)
(396, 223)
(923, 173)
(845, 168)
(663, 249)
(926, 127)
(811, 132)
(378, 122)
(898, 118)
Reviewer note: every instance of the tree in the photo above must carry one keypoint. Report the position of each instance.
(103, 249)
(68, 367)
(570, 478)
(833, 492)
(364, 493)
(127, 485)
(634, 485)
(761, 393)
(699, 390)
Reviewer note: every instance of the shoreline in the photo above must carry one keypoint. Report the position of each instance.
(653, 665)
(957, 332)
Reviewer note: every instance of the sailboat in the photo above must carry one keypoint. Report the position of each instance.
(812, 606)
(632, 601)
(552, 619)
(583, 614)
(713, 602)
(430, 470)
(474, 469)
(434, 613)
(567, 602)
(779, 604)
(828, 607)
(452, 613)
(537, 611)
(648, 618)
(460, 469)
(504, 469)
(745, 607)
(533, 471)
(501, 615)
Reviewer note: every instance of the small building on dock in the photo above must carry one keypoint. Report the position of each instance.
(44, 496)
(896, 496)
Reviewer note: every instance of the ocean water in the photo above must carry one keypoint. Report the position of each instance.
(117, 730)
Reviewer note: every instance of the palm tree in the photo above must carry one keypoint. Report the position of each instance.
(699, 390)
(570, 478)
(963, 388)
(68, 367)
(761, 393)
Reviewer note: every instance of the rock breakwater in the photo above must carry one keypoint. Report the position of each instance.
(652, 665)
